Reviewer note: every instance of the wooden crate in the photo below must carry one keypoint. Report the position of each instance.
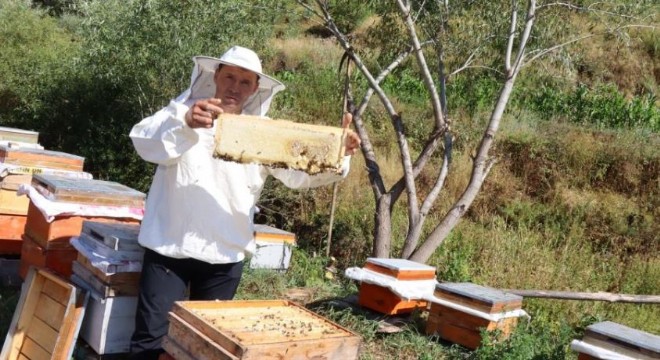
(40, 158)
(279, 143)
(46, 320)
(622, 340)
(58, 260)
(57, 233)
(385, 301)
(109, 323)
(401, 269)
(463, 328)
(87, 191)
(256, 329)
(478, 297)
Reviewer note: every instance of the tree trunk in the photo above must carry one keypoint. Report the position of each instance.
(383, 227)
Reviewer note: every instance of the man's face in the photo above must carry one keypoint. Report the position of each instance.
(234, 85)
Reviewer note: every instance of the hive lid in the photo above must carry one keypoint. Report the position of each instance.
(401, 268)
(623, 336)
(268, 233)
(480, 297)
(86, 191)
(117, 236)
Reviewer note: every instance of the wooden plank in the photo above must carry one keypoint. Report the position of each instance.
(194, 342)
(279, 143)
(49, 311)
(33, 351)
(103, 289)
(87, 191)
(478, 297)
(71, 325)
(56, 292)
(174, 351)
(12, 226)
(42, 333)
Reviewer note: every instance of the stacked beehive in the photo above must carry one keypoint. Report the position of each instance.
(273, 248)
(394, 286)
(461, 310)
(108, 265)
(255, 329)
(609, 340)
(70, 201)
(20, 157)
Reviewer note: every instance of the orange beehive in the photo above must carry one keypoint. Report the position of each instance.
(384, 300)
(461, 326)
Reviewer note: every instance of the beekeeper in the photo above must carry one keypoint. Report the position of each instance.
(198, 222)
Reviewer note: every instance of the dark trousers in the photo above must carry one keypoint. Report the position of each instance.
(165, 280)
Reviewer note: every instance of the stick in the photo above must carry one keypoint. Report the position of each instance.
(599, 296)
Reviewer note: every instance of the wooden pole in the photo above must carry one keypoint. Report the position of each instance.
(599, 296)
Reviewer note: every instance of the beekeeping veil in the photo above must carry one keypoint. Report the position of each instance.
(202, 85)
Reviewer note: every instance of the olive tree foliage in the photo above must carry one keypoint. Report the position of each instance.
(136, 55)
(430, 37)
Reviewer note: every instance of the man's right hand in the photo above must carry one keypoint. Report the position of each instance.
(203, 112)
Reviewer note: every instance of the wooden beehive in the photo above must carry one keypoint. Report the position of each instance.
(384, 300)
(279, 143)
(20, 135)
(87, 191)
(621, 340)
(273, 248)
(58, 260)
(255, 329)
(46, 320)
(57, 233)
(11, 231)
(464, 327)
(32, 157)
(10, 202)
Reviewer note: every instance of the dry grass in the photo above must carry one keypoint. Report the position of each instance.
(293, 53)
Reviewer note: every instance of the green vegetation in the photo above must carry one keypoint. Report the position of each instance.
(572, 203)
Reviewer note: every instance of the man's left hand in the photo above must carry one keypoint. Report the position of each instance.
(352, 139)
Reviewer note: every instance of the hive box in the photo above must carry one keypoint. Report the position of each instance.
(20, 135)
(617, 340)
(10, 202)
(32, 157)
(255, 330)
(384, 300)
(279, 143)
(109, 323)
(464, 327)
(273, 248)
(57, 233)
(11, 231)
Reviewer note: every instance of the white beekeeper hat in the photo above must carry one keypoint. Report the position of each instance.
(203, 85)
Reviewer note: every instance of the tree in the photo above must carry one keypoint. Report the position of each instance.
(509, 40)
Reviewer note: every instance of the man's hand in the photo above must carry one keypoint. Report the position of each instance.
(203, 112)
(352, 139)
